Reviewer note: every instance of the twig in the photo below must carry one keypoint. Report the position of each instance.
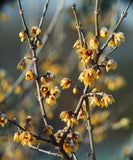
(90, 128)
(74, 156)
(109, 54)
(14, 122)
(96, 11)
(77, 24)
(35, 62)
(43, 13)
(89, 125)
(46, 152)
(123, 15)
(24, 23)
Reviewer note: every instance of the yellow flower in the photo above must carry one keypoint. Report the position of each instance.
(29, 75)
(85, 54)
(106, 100)
(94, 43)
(22, 34)
(99, 74)
(33, 30)
(17, 136)
(116, 39)
(48, 129)
(82, 113)
(50, 94)
(3, 120)
(127, 150)
(27, 139)
(87, 76)
(75, 90)
(111, 43)
(69, 117)
(93, 101)
(71, 142)
(77, 44)
(66, 83)
(23, 39)
(48, 77)
(104, 33)
(58, 135)
(38, 32)
(111, 64)
(44, 90)
(55, 91)
(51, 100)
(39, 43)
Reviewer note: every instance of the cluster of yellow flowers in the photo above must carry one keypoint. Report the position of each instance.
(85, 54)
(50, 94)
(104, 101)
(22, 36)
(3, 120)
(66, 83)
(25, 138)
(116, 39)
(87, 76)
(35, 31)
(71, 141)
(111, 64)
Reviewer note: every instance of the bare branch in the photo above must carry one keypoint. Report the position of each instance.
(43, 13)
(96, 11)
(46, 152)
(123, 15)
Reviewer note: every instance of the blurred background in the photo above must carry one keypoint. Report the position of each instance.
(57, 55)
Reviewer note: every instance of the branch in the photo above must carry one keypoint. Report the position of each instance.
(96, 12)
(77, 24)
(43, 13)
(89, 125)
(24, 23)
(46, 152)
(123, 15)
(14, 122)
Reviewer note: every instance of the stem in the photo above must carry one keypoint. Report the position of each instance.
(46, 152)
(123, 15)
(33, 50)
(89, 125)
(96, 11)
(90, 128)
(38, 87)
(24, 23)
(43, 13)
(77, 24)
